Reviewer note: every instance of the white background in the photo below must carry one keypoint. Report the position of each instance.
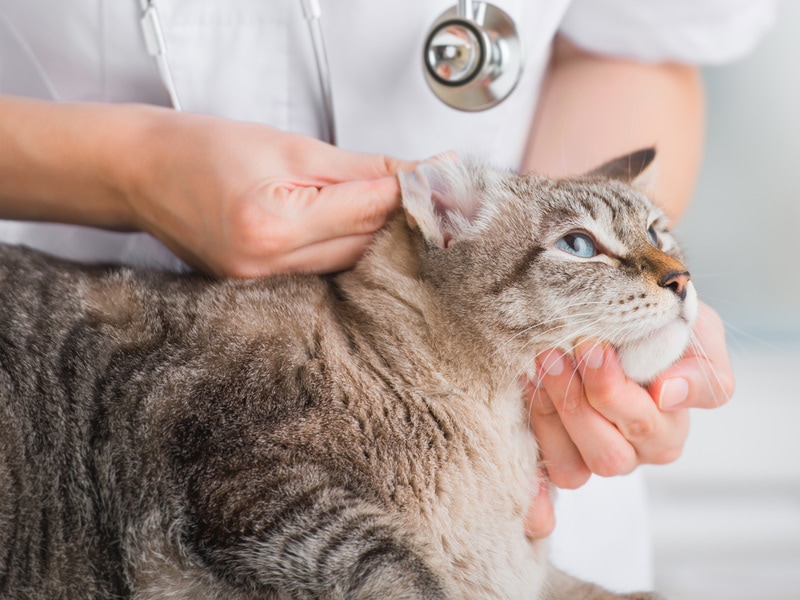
(726, 516)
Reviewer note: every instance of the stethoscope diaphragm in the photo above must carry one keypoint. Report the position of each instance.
(473, 61)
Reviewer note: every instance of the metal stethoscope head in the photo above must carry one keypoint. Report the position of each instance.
(473, 56)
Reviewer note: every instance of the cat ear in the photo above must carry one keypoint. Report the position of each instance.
(439, 200)
(625, 168)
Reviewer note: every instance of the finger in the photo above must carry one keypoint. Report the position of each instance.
(540, 520)
(613, 395)
(328, 256)
(564, 463)
(333, 165)
(656, 437)
(341, 210)
(601, 445)
(703, 378)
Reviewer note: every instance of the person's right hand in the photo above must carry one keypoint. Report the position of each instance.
(245, 200)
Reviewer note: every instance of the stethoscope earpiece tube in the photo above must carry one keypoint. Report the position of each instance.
(157, 47)
(313, 13)
(472, 58)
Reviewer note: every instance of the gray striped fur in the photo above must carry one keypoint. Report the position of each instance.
(352, 436)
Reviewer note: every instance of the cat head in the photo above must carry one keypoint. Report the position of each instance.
(531, 263)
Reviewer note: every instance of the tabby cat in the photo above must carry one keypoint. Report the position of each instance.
(360, 435)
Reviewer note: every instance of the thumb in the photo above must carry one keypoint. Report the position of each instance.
(349, 208)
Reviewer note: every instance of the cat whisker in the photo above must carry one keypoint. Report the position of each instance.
(546, 321)
(706, 367)
(586, 325)
(731, 328)
(597, 341)
(534, 339)
(570, 350)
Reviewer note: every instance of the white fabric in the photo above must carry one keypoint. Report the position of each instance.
(690, 31)
(602, 533)
(252, 60)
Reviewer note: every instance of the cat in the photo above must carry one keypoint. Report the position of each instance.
(357, 435)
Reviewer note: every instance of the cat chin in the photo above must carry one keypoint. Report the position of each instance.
(645, 358)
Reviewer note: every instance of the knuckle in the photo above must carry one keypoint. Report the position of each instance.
(387, 165)
(602, 397)
(641, 428)
(540, 405)
(572, 402)
(602, 392)
(571, 397)
(613, 461)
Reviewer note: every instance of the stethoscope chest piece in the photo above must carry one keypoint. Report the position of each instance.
(473, 61)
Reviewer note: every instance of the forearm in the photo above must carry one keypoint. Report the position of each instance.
(65, 162)
(595, 108)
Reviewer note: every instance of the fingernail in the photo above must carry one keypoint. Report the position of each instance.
(594, 358)
(552, 364)
(673, 393)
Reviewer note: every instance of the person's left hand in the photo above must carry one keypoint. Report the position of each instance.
(588, 417)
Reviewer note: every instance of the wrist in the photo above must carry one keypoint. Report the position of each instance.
(60, 163)
(130, 163)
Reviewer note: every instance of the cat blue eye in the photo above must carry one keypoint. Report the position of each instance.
(578, 244)
(651, 233)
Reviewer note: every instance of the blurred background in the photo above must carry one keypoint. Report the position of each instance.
(726, 516)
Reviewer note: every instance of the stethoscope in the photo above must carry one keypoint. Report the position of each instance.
(472, 57)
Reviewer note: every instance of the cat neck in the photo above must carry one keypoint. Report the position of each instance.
(391, 305)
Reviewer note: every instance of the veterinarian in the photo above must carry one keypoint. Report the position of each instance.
(238, 184)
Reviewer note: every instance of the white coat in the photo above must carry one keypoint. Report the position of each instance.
(252, 60)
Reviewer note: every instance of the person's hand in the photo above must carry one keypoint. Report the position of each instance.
(540, 519)
(589, 418)
(245, 200)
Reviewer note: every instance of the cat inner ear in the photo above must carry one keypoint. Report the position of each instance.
(625, 168)
(440, 201)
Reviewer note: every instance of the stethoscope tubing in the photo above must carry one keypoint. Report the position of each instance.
(477, 92)
(313, 15)
(157, 47)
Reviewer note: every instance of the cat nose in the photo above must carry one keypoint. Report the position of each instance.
(677, 282)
